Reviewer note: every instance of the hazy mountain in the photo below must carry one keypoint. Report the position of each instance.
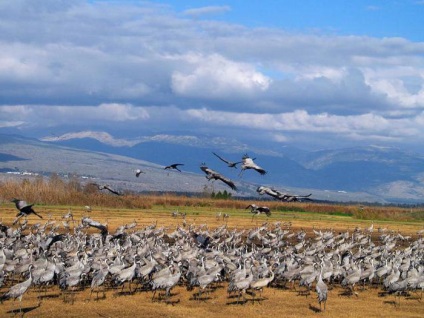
(352, 174)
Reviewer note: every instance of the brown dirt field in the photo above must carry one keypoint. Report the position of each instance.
(278, 302)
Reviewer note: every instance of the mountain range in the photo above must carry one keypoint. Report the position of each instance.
(357, 174)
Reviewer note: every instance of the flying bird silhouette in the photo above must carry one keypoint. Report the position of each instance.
(211, 174)
(229, 163)
(24, 209)
(138, 172)
(174, 166)
(248, 163)
(106, 187)
(281, 195)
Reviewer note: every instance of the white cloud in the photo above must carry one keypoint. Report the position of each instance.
(216, 76)
(206, 10)
(360, 126)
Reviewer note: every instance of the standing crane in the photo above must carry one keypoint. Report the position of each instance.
(322, 290)
(18, 290)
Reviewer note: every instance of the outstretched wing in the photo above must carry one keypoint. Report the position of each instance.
(207, 170)
(226, 161)
(226, 181)
(111, 190)
(95, 224)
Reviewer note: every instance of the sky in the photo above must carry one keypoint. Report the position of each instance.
(311, 74)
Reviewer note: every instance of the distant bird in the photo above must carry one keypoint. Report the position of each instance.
(229, 163)
(174, 166)
(138, 172)
(256, 210)
(248, 163)
(107, 187)
(282, 196)
(211, 174)
(24, 209)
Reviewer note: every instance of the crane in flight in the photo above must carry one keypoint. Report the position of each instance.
(256, 210)
(24, 208)
(106, 187)
(281, 195)
(230, 164)
(212, 174)
(247, 163)
(174, 166)
(138, 172)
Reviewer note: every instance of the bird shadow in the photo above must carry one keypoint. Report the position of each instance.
(238, 302)
(347, 293)
(390, 302)
(48, 296)
(23, 310)
(124, 293)
(197, 298)
(314, 308)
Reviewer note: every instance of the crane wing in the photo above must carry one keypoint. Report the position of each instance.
(228, 182)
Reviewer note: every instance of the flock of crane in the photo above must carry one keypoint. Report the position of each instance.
(246, 162)
(157, 259)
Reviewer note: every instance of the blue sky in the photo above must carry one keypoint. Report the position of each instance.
(384, 18)
(314, 74)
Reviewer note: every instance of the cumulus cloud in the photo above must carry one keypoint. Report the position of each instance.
(215, 76)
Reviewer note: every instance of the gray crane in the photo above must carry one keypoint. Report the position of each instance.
(17, 291)
(24, 208)
(174, 166)
(99, 279)
(138, 172)
(211, 174)
(166, 281)
(247, 163)
(256, 210)
(230, 164)
(286, 197)
(126, 275)
(106, 187)
(240, 285)
(259, 284)
(322, 290)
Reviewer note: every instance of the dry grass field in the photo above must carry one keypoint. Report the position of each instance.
(277, 302)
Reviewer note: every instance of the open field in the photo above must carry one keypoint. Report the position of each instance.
(282, 302)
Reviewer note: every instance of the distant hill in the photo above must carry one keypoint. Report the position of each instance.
(364, 174)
